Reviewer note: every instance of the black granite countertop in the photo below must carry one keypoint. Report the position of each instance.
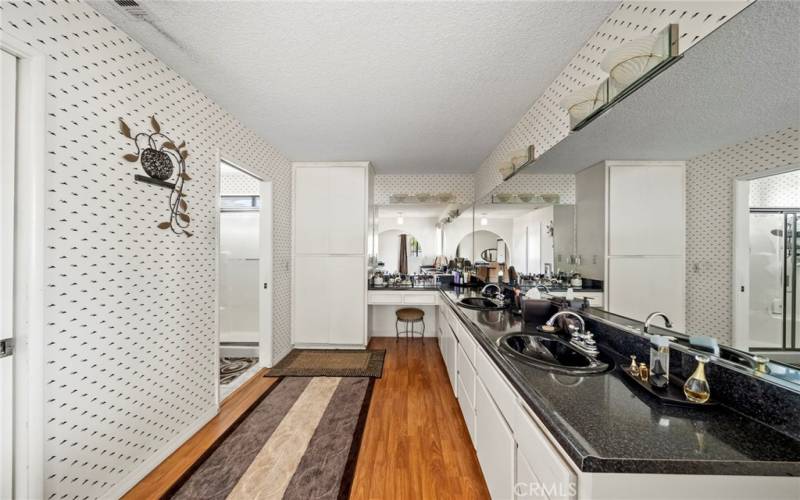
(606, 424)
(390, 288)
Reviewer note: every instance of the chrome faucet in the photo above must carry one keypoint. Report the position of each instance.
(484, 290)
(653, 316)
(552, 320)
(581, 340)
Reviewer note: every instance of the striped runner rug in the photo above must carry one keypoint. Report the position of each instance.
(300, 442)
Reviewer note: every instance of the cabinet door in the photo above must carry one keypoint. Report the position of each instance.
(311, 208)
(495, 445)
(528, 485)
(466, 408)
(646, 205)
(311, 299)
(638, 286)
(346, 213)
(346, 276)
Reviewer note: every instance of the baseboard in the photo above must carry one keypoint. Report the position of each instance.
(151, 463)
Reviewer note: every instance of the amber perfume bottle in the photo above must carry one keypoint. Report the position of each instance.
(696, 387)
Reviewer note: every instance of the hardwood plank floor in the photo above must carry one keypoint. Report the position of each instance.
(415, 442)
(159, 482)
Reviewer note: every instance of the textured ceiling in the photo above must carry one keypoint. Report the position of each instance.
(415, 87)
(740, 82)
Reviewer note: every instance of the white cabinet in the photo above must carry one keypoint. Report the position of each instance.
(634, 209)
(311, 316)
(540, 462)
(331, 310)
(494, 444)
(330, 205)
(346, 216)
(330, 208)
(311, 206)
(646, 209)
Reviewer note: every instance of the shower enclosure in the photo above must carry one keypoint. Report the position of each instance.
(774, 266)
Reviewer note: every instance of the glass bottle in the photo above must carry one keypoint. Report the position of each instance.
(696, 387)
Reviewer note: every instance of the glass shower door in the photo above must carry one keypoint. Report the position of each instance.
(790, 313)
(766, 280)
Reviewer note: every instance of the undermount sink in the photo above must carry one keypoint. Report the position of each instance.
(480, 303)
(551, 353)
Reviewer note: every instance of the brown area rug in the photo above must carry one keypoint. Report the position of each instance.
(300, 442)
(330, 363)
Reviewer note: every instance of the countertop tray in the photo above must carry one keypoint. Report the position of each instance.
(672, 395)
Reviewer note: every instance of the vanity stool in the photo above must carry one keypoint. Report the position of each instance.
(410, 316)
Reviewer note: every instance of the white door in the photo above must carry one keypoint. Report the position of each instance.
(265, 274)
(8, 104)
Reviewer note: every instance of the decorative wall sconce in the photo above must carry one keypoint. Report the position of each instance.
(161, 159)
(629, 66)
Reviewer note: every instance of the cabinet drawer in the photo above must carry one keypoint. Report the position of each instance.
(385, 298)
(499, 390)
(544, 460)
(419, 298)
(466, 374)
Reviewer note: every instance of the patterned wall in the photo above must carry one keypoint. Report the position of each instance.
(564, 185)
(546, 123)
(129, 333)
(782, 190)
(463, 186)
(709, 224)
(233, 181)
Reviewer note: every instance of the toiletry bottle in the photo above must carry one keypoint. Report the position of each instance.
(659, 362)
(570, 294)
(634, 368)
(696, 387)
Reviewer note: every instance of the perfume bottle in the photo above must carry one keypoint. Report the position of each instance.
(696, 387)
(634, 368)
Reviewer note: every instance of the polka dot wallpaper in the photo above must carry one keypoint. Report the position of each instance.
(709, 224)
(129, 308)
(782, 190)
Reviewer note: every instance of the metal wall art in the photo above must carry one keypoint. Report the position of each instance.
(161, 159)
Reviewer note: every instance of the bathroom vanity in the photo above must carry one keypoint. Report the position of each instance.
(599, 436)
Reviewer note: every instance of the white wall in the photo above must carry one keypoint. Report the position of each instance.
(422, 228)
(532, 245)
(709, 224)
(129, 308)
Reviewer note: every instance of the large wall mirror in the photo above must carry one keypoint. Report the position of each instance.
(676, 202)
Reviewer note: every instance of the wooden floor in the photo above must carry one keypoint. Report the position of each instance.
(159, 482)
(415, 442)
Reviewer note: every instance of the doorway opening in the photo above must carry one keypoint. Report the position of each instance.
(767, 245)
(244, 274)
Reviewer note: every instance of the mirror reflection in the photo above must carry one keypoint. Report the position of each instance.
(638, 240)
